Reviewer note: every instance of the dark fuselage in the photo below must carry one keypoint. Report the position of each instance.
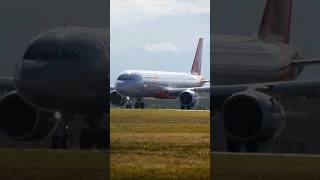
(65, 69)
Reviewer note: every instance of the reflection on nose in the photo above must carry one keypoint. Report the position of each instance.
(127, 87)
(120, 85)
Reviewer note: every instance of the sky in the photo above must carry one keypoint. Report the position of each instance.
(158, 35)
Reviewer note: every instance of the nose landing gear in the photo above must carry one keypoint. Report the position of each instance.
(139, 105)
(185, 107)
(129, 104)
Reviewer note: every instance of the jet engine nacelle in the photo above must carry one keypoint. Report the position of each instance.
(189, 98)
(117, 99)
(21, 122)
(252, 116)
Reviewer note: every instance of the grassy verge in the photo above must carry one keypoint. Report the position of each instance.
(265, 167)
(159, 144)
(53, 165)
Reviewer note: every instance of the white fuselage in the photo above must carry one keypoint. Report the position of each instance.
(240, 59)
(140, 83)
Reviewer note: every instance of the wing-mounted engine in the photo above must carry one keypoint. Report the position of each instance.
(117, 99)
(188, 98)
(21, 122)
(252, 116)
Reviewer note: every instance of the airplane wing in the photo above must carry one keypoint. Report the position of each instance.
(205, 81)
(306, 61)
(175, 92)
(283, 89)
(6, 83)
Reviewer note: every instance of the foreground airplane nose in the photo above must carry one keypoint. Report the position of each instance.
(122, 87)
(32, 84)
(128, 88)
(61, 87)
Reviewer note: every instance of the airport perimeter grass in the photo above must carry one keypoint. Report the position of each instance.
(159, 144)
(155, 144)
(265, 167)
(53, 165)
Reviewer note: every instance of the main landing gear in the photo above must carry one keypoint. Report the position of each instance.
(94, 135)
(185, 107)
(235, 146)
(97, 135)
(139, 104)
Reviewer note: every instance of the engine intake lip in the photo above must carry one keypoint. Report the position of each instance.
(11, 123)
(115, 98)
(186, 98)
(242, 117)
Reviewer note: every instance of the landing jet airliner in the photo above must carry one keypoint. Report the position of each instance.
(139, 84)
(64, 71)
(267, 56)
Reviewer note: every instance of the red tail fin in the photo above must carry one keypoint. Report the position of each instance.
(276, 22)
(196, 66)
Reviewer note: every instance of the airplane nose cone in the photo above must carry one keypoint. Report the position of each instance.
(122, 87)
(61, 86)
(128, 88)
(129, 83)
(32, 83)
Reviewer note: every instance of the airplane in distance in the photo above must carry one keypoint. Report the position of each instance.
(265, 56)
(62, 73)
(139, 84)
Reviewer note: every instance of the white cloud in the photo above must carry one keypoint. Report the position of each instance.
(168, 7)
(160, 47)
(131, 11)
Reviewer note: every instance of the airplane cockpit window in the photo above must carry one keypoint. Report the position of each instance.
(69, 55)
(49, 53)
(125, 77)
(31, 54)
(45, 53)
(42, 52)
(34, 53)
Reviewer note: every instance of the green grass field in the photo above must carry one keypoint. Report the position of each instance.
(155, 144)
(169, 144)
(53, 165)
(265, 167)
(160, 144)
